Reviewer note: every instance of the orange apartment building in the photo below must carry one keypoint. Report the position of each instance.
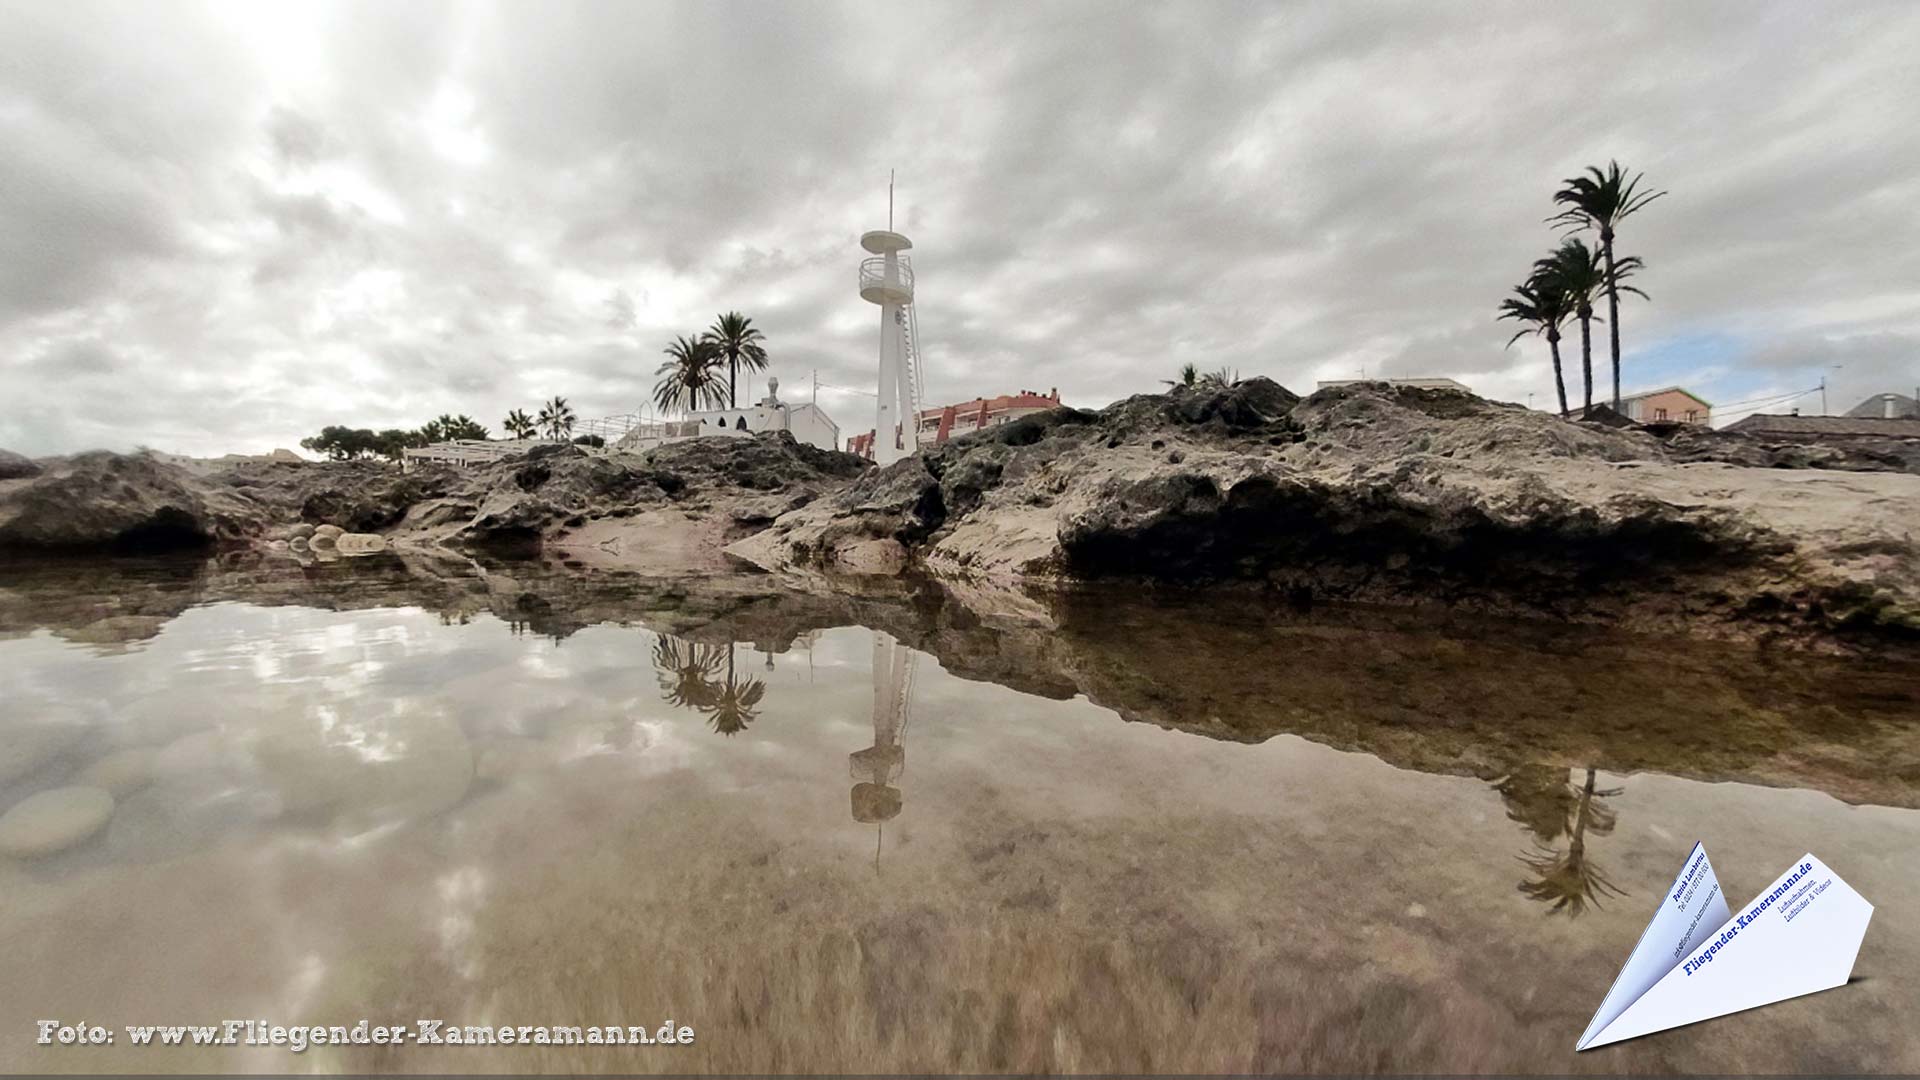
(1668, 404)
(940, 424)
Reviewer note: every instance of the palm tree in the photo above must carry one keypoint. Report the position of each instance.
(1219, 380)
(434, 431)
(519, 424)
(739, 344)
(1569, 880)
(1601, 200)
(1540, 304)
(556, 418)
(461, 427)
(736, 704)
(1578, 273)
(1539, 799)
(686, 672)
(690, 377)
(1189, 378)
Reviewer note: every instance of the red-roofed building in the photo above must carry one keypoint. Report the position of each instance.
(940, 424)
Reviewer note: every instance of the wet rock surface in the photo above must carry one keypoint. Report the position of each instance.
(1384, 494)
(1365, 493)
(102, 502)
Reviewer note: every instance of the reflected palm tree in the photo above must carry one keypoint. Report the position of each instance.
(1547, 806)
(736, 704)
(1539, 798)
(686, 672)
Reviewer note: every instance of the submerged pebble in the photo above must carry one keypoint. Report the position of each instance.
(359, 543)
(54, 820)
(121, 772)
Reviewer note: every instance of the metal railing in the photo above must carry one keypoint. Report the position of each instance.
(873, 274)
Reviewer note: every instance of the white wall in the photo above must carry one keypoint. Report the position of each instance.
(807, 422)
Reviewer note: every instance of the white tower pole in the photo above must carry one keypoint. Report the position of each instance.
(887, 281)
(886, 446)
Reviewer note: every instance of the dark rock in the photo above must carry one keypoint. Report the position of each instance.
(105, 501)
(1379, 493)
(17, 466)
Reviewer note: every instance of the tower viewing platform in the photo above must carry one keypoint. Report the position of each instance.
(882, 284)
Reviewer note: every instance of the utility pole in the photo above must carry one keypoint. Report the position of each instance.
(1823, 395)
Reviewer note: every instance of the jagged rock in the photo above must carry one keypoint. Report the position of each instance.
(1386, 494)
(105, 501)
(53, 821)
(17, 466)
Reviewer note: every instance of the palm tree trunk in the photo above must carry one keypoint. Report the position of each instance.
(733, 364)
(1613, 314)
(1559, 380)
(1586, 359)
(1578, 846)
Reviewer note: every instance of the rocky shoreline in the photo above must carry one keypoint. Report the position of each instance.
(1368, 494)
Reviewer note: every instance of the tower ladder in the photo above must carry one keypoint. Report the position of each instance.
(916, 374)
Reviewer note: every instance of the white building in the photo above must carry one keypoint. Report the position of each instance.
(808, 422)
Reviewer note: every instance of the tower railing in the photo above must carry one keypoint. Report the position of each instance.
(873, 274)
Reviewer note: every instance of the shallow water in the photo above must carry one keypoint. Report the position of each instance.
(1091, 833)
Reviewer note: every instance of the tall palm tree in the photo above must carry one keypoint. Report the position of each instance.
(1601, 200)
(1579, 274)
(735, 704)
(739, 343)
(690, 377)
(556, 418)
(519, 424)
(1543, 307)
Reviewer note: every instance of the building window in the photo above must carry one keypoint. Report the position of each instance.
(741, 423)
(1693, 416)
(1659, 414)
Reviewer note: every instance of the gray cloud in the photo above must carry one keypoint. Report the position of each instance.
(227, 225)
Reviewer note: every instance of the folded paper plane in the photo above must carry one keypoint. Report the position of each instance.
(1696, 960)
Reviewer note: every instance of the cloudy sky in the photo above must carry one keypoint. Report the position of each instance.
(225, 225)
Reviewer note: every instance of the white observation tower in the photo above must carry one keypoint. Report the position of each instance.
(887, 279)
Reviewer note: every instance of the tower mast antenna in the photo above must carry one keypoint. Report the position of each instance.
(889, 200)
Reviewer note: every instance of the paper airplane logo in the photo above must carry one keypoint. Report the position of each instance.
(1696, 960)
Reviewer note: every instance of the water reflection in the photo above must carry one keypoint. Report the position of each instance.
(875, 799)
(1545, 803)
(690, 678)
(386, 805)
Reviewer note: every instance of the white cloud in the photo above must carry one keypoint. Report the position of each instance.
(228, 225)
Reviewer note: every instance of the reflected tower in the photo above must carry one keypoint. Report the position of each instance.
(876, 800)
